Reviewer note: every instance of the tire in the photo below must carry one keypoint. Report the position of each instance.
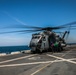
(33, 52)
(38, 51)
(60, 48)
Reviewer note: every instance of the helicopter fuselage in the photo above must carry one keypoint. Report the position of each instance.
(43, 41)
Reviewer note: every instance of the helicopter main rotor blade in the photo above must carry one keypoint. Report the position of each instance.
(23, 26)
(68, 24)
(20, 31)
(72, 28)
(35, 28)
(52, 28)
(27, 26)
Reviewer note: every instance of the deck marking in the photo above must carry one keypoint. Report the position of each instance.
(72, 59)
(33, 63)
(17, 58)
(66, 53)
(34, 58)
(61, 58)
(49, 64)
(41, 68)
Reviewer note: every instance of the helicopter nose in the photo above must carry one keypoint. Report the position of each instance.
(33, 44)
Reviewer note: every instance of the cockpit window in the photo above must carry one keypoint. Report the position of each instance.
(35, 37)
(44, 39)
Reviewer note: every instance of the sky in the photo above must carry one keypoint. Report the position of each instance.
(35, 13)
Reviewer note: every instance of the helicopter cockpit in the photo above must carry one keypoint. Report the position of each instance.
(35, 37)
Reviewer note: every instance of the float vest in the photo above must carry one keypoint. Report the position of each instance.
(56, 44)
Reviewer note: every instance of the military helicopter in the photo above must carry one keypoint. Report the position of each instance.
(47, 38)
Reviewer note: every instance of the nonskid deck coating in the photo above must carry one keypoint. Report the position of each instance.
(40, 64)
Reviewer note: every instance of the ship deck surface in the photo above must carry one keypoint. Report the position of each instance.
(47, 63)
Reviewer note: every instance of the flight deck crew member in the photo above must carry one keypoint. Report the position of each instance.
(52, 46)
(56, 45)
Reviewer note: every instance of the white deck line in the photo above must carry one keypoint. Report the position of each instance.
(17, 58)
(32, 63)
(61, 58)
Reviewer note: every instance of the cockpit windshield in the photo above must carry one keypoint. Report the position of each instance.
(35, 37)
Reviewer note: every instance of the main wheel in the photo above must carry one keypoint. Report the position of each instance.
(33, 52)
(60, 48)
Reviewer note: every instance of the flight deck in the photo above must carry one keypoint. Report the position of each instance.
(47, 63)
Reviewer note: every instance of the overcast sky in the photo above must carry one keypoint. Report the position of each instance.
(34, 13)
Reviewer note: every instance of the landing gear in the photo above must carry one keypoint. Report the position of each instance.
(33, 52)
(60, 48)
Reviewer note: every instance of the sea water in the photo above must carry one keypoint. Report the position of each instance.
(9, 49)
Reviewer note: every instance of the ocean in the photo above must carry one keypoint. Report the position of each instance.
(9, 49)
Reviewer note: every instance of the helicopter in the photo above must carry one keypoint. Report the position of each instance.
(47, 41)
(46, 38)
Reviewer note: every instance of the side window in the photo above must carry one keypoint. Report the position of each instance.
(44, 39)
